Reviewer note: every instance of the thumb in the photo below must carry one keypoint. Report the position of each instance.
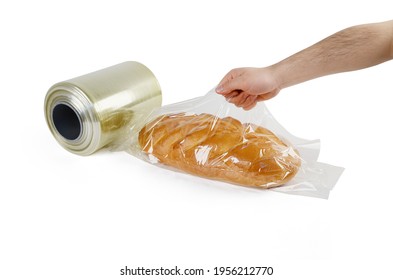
(228, 86)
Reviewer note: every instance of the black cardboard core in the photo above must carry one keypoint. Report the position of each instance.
(66, 121)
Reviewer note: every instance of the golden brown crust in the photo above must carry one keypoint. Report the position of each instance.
(221, 149)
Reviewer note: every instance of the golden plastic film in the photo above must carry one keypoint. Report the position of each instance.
(90, 112)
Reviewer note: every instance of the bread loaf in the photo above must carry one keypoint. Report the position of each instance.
(222, 149)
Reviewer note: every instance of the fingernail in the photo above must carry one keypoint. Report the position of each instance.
(219, 89)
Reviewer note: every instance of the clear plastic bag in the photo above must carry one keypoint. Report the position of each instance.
(212, 138)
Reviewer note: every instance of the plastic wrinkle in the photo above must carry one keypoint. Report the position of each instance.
(209, 137)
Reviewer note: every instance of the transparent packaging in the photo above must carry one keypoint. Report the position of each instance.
(212, 138)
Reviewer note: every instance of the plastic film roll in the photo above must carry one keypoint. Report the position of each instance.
(89, 112)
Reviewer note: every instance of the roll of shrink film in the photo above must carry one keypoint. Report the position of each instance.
(92, 111)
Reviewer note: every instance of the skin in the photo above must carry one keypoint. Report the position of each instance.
(350, 49)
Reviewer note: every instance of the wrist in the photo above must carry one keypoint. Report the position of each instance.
(277, 76)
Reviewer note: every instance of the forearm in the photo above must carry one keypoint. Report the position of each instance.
(350, 49)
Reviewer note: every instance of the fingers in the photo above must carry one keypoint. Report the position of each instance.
(232, 94)
(247, 101)
(243, 87)
(250, 106)
(231, 82)
(243, 100)
(238, 99)
(226, 78)
(267, 96)
(236, 84)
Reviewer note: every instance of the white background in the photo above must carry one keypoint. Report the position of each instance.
(64, 216)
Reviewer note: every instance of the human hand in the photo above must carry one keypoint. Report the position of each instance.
(244, 87)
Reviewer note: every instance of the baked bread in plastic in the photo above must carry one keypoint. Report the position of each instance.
(222, 149)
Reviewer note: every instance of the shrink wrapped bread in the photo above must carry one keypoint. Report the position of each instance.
(220, 148)
(211, 138)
